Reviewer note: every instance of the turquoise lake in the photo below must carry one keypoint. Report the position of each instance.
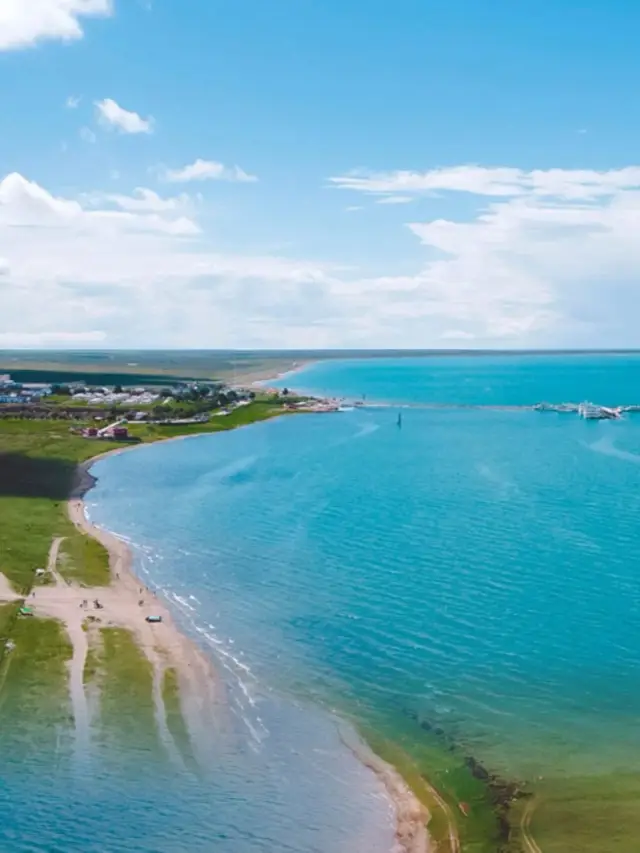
(476, 569)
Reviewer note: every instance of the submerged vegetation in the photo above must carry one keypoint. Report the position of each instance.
(34, 699)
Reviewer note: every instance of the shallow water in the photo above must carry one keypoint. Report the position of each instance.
(300, 791)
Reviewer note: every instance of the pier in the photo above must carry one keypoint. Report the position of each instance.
(586, 410)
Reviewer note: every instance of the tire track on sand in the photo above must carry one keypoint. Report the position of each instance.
(529, 842)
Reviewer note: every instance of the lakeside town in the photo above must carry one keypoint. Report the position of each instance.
(107, 411)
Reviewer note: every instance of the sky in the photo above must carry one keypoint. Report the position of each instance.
(319, 173)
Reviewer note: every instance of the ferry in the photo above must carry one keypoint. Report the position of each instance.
(590, 411)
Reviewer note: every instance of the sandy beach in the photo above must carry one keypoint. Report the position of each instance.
(124, 603)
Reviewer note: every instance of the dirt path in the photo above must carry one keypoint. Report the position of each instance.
(529, 842)
(452, 829)
(52, 562)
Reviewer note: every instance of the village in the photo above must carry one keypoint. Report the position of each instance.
(106, 412)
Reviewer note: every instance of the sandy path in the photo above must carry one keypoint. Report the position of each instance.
(74, 627)
(528, 840)
(452, 829)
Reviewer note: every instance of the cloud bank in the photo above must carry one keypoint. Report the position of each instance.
(545, 258)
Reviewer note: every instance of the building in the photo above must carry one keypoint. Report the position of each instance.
(16, 398)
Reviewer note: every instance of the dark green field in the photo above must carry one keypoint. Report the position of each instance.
(150, 367)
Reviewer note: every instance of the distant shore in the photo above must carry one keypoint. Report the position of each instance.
(262, 378)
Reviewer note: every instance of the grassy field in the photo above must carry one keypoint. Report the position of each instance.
(35, 712)
(38, 469)
(38, 461)
(146, 368)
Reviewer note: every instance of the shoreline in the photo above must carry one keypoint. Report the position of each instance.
(411, 815)
(262, 382)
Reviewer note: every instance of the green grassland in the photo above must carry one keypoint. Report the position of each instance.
(38, 471)
(34, 700)
(145, 368)
(39, 462)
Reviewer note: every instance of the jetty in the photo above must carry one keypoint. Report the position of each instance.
(586, 410)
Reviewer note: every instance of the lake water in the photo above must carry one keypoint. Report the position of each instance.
(473, 574)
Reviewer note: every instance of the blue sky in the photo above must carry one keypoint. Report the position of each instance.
(296, 173)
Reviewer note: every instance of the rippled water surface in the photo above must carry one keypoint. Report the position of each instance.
(476, 569)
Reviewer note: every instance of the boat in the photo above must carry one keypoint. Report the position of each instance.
(590, 411)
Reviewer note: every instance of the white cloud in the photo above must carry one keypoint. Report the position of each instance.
(505, 181)
(203, 170)
(87, 135)
(44, 339)
(132, 275)
(395, 199)
(25, 204)
(146, 200)
(456, 335)
(548, 258)
(112, 115)
(24, 23)
(72, 102)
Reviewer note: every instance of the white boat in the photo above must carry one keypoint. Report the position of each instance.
(592, 412)
(588, 410)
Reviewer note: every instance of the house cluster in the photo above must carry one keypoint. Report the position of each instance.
(110, 397)
(21, 392)
(117, 431)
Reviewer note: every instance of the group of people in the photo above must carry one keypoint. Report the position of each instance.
(84, 604)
